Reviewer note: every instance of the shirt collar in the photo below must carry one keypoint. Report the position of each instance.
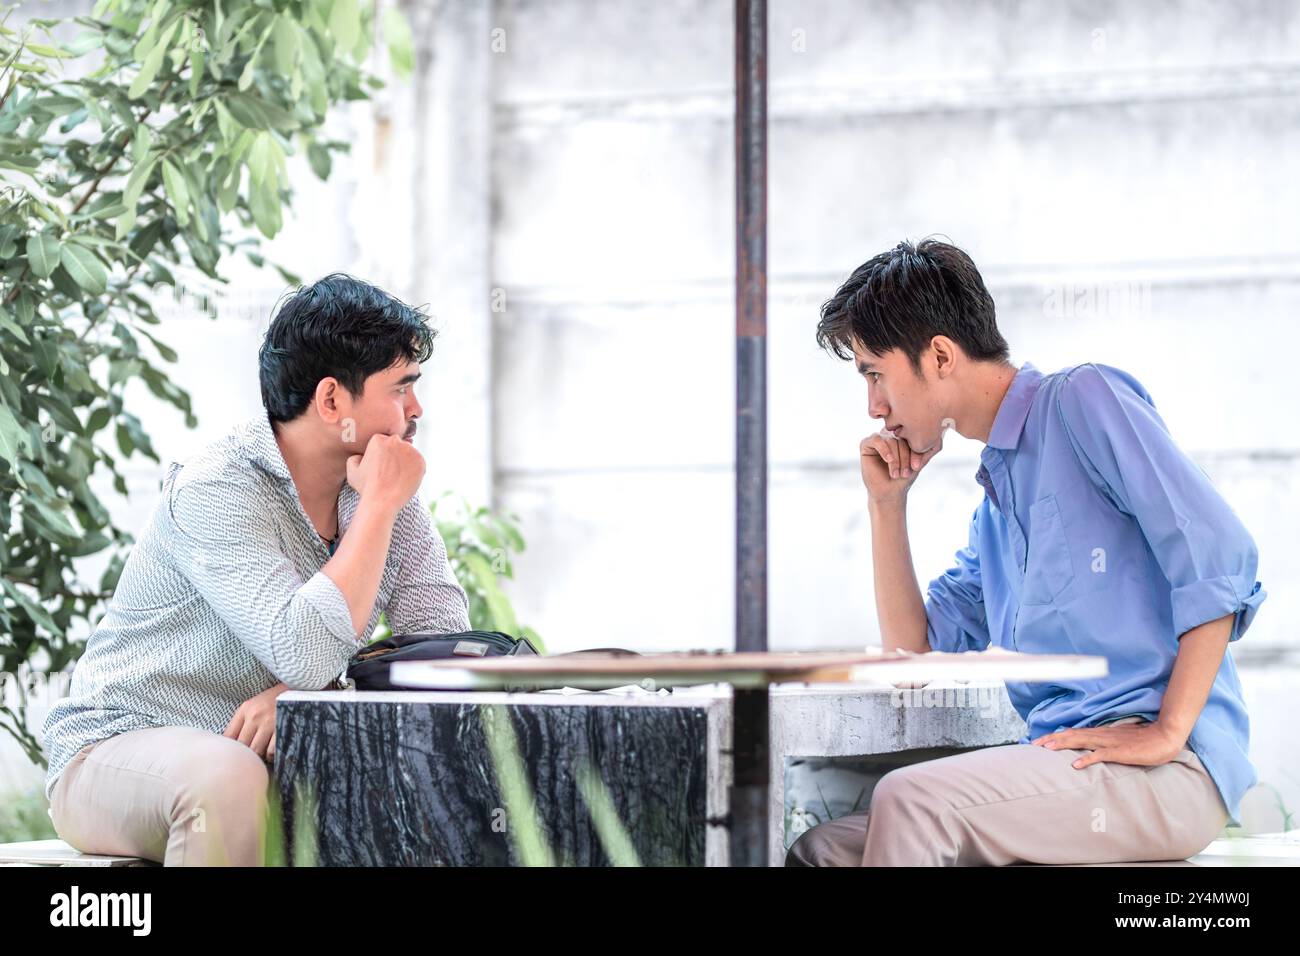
(1009, 422)
(262, 448)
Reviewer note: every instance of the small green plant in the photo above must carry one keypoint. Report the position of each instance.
(24, 816)
(480, 543)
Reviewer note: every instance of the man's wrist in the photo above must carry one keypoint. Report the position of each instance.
(887, 506)
(382, 503)
(1173, 730)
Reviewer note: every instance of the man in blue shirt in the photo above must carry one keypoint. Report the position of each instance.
(1097, 535)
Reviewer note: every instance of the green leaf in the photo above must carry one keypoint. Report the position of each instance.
(13, 327)
(43, 254)
(120, 370)
(64, 282)
(36, 480)
(61, 412)
(286, 44)
(56, 106)
(102, 208)
(150, 38)
(40, 49)
(228, 191)
(197, 62)
(135, 183)
(45, 355)
(98, 419)
(226, 124)
(25, 309)
(261, 165)
(37, 613)
(401, 47)
(256, 113)
(166, 351)
(124, 442)
(152, 64)
(125, 223)
(345, 23)
(53, 518)
(89, 544)
(264, 203)
(83, 43)
(319, 158)
(143, 241)
(141, 143)
(8, 240)
(85, 268)
(176, 191)
(13, 437)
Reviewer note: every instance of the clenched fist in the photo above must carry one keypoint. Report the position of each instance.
(889, 465)
(389, 472)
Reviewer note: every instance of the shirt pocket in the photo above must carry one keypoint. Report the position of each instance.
(1048, 567)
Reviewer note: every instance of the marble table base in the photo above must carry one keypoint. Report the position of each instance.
(419, 778)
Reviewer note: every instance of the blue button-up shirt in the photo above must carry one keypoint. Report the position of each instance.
(1099, 535)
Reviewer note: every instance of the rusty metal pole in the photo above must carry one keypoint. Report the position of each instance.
(749, 793)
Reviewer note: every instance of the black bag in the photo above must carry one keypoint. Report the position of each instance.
(368, 669)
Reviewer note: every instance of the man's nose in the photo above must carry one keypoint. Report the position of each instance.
(875, 407)
(414, 410)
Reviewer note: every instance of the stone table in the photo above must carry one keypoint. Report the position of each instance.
(432, 778)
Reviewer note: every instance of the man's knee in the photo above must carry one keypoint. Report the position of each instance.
(226, 778)
(838, 842)
(911, 790)
(802, 851)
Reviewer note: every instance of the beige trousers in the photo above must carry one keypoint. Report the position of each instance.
(1021, 803)
(176, 795)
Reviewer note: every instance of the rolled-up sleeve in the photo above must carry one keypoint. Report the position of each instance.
(427, 598)
(224, 541)
(1204, 550)
(954, 605)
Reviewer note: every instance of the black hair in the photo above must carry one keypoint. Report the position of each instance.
(902, 298)
(340, 327)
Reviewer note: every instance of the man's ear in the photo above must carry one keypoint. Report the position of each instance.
(945, 355)
(329, 400)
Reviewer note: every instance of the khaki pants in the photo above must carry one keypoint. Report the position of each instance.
(1021, 803)
(176, 795)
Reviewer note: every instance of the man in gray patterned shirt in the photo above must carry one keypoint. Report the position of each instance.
(265, 565)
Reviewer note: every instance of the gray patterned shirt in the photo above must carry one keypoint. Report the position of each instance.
(223, 596)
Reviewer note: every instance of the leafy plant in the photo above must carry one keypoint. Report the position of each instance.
(24, 816)
(479, 545)
(130, 177)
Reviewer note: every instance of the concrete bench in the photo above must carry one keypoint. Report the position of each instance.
(837, 722)
(1254, 849)
(859, 733)
(58, 853)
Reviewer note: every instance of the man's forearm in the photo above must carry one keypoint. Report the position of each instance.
(1200, 652)
(358, 565)
(898, 597)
